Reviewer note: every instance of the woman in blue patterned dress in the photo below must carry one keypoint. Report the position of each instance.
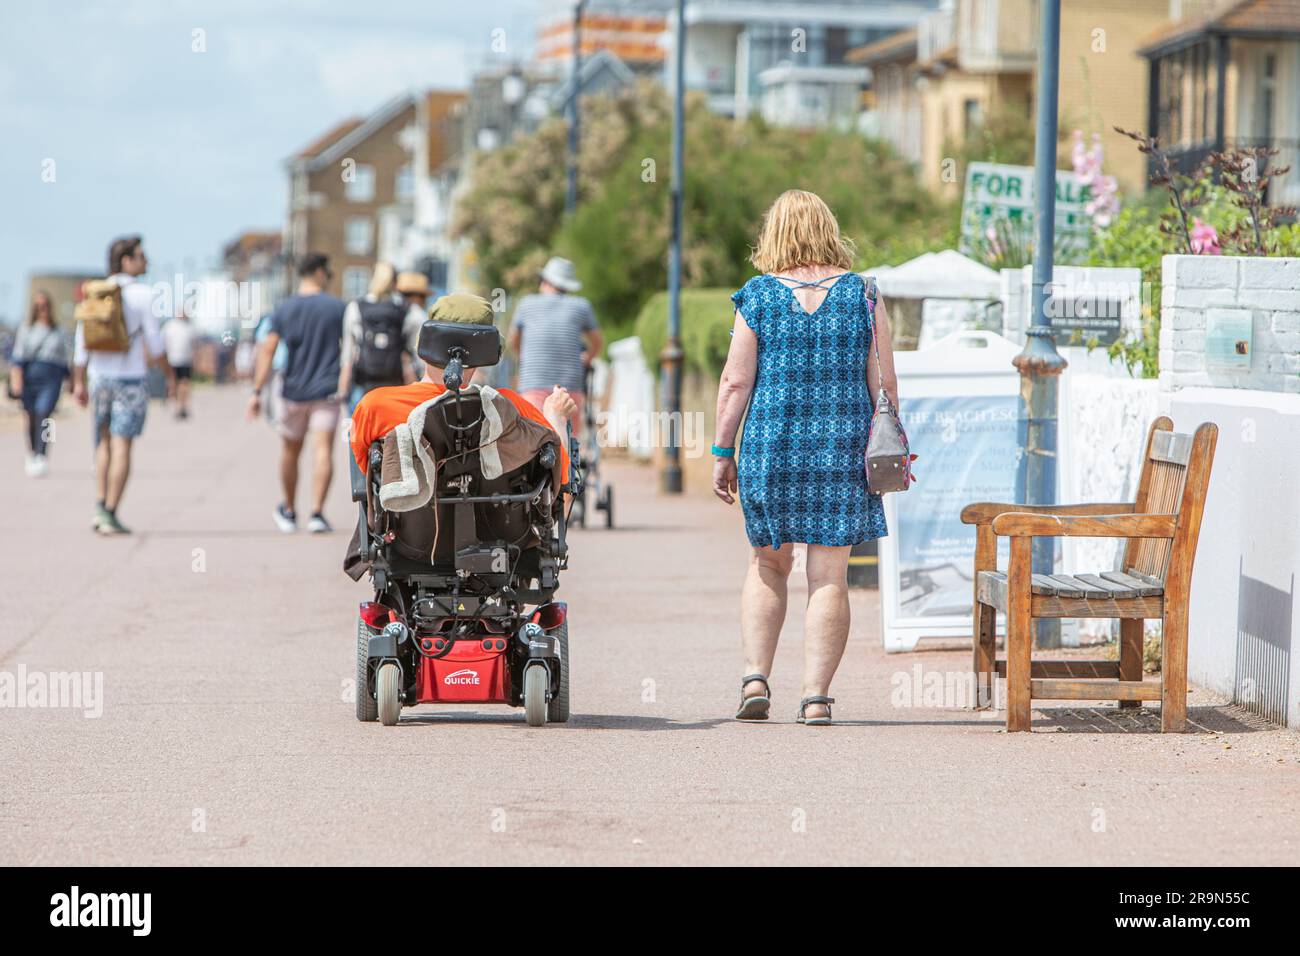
(799, 363)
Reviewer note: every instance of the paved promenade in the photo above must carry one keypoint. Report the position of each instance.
(227, 732)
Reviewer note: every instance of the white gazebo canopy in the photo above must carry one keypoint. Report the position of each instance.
(938, 275)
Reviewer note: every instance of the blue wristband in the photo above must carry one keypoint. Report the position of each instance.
(724, 452)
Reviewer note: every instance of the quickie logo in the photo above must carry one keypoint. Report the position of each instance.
(464, 676)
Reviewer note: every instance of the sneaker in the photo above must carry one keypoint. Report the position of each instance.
(40, 467)
(101, 517)
(318, 525)
(29, 466)
(285, 519)
(111, 526)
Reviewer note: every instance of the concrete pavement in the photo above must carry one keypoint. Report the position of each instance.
(227, 733)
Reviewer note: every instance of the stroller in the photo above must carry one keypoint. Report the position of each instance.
(596, 491)
(463, 610)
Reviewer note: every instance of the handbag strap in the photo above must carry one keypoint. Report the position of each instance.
(869, 283)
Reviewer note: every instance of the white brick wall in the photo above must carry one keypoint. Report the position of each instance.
(1121, 284)
(1197, 288)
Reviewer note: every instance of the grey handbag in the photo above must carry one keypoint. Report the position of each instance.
(889, 461)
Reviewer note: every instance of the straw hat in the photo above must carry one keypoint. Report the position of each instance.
(412, 283)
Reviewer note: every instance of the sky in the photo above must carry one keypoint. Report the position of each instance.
(140, 132)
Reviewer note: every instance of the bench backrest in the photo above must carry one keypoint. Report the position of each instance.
(1174, 479)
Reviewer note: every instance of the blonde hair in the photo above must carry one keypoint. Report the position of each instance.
(800, 230)
(381, 280)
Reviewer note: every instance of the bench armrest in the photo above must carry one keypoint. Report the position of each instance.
(983, 512)
(1026, 524)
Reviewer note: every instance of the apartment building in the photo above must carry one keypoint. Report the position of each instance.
(787, 58)
(1225, 73)
(340, 185)
(972, 58)
(632, 31)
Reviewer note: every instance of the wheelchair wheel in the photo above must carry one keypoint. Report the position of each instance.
(557, 711)
(537, 680)
(367, 709)
(388, 689)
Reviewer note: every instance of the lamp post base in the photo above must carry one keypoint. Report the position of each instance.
(1040, 366)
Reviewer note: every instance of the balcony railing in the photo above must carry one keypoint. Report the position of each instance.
(1189, 158)
(996, 35)
(934, 34)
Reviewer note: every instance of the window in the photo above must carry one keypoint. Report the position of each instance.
(358, 235)
(1266, 98)
(404, 186)
(361, 187)
(355, 281)
(972, 116)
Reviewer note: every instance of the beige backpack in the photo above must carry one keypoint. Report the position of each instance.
(103, 325)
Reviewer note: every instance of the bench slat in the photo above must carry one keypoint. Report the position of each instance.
(1040, 583)
(1116, 590)
(1147, 578)
(1143, 588)
(1080, 586)
(1061, 586)
(1043, 584)
(1131, 599)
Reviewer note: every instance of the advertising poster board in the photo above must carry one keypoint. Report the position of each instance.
(960, 407)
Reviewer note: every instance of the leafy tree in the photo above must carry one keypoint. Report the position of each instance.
(619, 235)
(515, 201)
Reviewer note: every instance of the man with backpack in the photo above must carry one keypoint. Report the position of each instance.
(380, 334)
(117, 338)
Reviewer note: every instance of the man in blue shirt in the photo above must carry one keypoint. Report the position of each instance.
(310, 324)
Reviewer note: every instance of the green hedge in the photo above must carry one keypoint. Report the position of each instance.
(707, 316)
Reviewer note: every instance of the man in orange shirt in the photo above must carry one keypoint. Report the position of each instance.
(383, 409)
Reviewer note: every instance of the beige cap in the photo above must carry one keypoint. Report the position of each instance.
(462, 307)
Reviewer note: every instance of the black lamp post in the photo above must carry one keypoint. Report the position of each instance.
(571, 193)
(670, 358)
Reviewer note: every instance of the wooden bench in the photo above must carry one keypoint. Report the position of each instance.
(1161, 526)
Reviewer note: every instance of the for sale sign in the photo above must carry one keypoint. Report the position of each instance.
(999, 193)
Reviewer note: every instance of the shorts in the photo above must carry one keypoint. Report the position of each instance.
(119, 405)
(298, 418)
(183, 373)
(537, 397)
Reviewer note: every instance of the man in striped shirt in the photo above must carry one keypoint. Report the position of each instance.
(555, 335)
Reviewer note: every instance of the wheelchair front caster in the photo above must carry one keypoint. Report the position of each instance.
(388, 691)
(537, 682)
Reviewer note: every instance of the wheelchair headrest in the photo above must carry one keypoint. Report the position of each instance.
(477, 346)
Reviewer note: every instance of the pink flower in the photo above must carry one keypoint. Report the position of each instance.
(1103, 202)
(1205, 240)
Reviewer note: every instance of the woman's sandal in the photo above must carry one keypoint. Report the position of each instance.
(756, 707)
(815, 721)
